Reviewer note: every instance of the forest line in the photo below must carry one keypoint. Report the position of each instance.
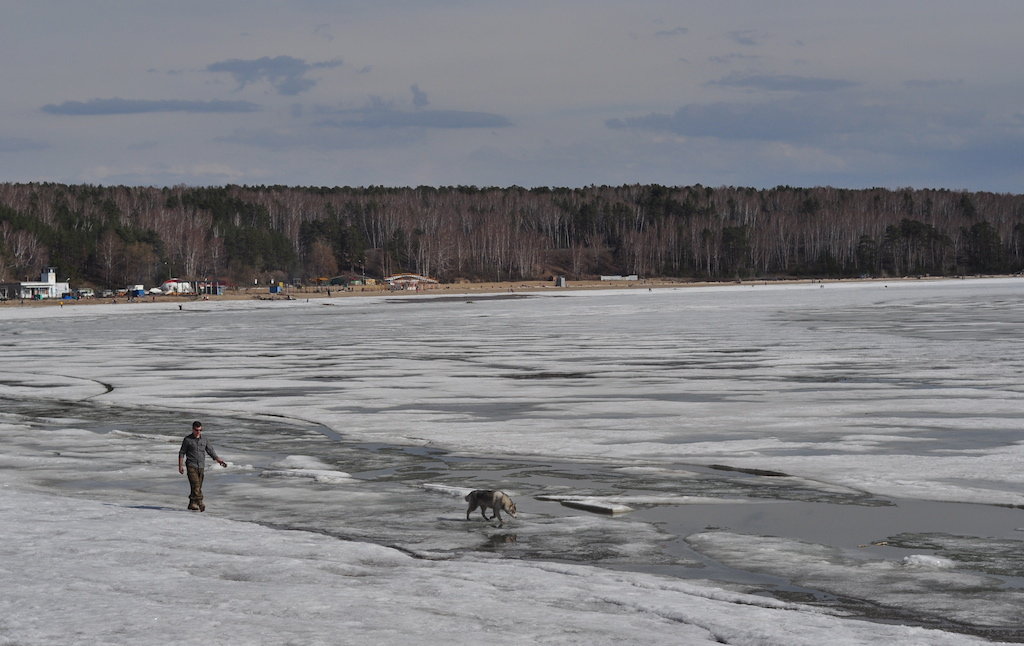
(118, 235)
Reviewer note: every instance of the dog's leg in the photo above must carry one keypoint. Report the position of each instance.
(483, 512)
(472, 506)
(497, 514)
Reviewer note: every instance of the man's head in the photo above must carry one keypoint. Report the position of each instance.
(197, 428)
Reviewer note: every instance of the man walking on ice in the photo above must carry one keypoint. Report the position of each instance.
(192, 456)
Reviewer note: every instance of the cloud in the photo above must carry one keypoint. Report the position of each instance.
(287, 75)
(732, 58)
(324, 31)
(380, 124)
(747, 37)
(722, 120)
(783, 83)
(781, 121)
(868, 142)
(445, 119)
(141, 106)
(381, 114)
(419, 97)
(323, 137)
(671, 33)
(20, 144)
(915, 84)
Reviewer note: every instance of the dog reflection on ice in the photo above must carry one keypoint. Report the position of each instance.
(497, 501)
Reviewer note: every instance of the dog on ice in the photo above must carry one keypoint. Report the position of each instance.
(497, 501)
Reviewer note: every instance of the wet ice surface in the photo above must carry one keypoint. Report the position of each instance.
(847, 448)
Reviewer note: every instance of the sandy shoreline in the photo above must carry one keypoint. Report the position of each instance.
(263, 293)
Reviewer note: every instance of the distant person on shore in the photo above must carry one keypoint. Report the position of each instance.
(192, 458)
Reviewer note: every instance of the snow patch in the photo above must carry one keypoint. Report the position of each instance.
(927, 561)
(601, 506)
(454, 492)
(317, 475)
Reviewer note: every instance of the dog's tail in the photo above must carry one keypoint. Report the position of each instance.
(468, 496)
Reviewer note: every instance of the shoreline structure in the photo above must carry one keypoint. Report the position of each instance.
(464, 289)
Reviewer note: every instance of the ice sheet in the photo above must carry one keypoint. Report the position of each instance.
(806, 381)
(918, 583)
(854, 392)
(102, 573)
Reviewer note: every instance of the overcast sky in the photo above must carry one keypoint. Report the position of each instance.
(927, 94)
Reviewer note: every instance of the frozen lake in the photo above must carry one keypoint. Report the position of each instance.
(840, 451)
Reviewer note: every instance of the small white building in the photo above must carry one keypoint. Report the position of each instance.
(176, 286)
(409, 281)
(46, 287)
